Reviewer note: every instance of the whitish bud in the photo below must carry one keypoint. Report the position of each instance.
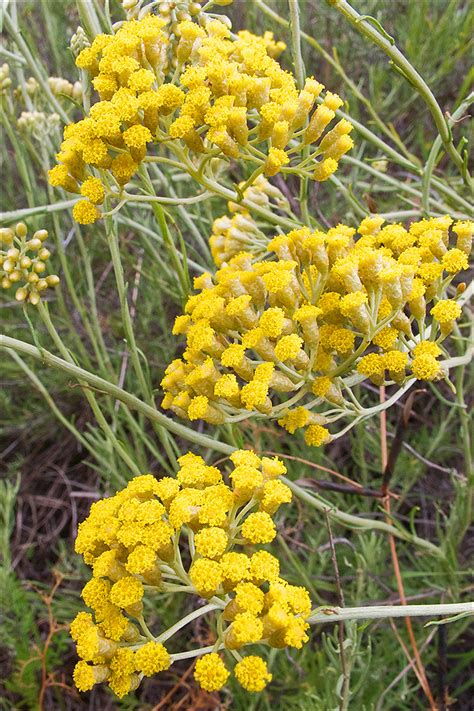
(77, 91)
(39, 267)
(41, 234)
(53, 121)
(79, 41)
(6, 235)
(8, 265)
(34, 298)
(31, 86)
(34, 244)
(21, 294)
(5, 80)
(52, 279)
(4, 71)
(21, 229)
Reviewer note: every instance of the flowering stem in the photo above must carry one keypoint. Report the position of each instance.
(194, 653)
(185, 621)
(233, 196)
(191, 435)
(335, 614)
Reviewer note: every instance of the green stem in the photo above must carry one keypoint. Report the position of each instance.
(377, 612)
(114, 391)
(357, 522)
(295, 29)
(43, 391)
(89, 17)
(15, 215)
(91, 399)
(293, 6)
(145, 386)
(174, 255)
(430, 163)
(409, 72)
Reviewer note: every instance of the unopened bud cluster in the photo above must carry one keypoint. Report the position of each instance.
(196, 534)
(5, 80)
(23, 263)
(63, 87)
(279, 338)
(239, 231)
(37, 123)
(227, 97)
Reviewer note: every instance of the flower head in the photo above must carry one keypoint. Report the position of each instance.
(252, 673)
(225, 87)
(324, 309)
(133, 543)
(211, 672)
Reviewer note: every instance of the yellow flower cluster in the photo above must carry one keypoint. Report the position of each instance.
(133, 542)
(238, 231)
(23, 263)
(228, 96)
(262, 336)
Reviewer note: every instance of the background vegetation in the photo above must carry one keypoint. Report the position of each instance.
(59, 451)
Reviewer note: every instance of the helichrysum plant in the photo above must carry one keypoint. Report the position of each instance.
(284, 329)
(23, 263)
(286, 338)
(200, 534)
(198, 92)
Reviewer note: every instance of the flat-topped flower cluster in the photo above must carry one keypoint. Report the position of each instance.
(195, 90)
(279, 338)
(191, 534)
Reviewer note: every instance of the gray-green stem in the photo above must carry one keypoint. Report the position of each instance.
(376, 612)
